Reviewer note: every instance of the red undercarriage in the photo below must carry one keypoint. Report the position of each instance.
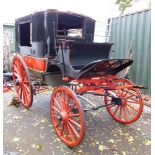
(98, 84)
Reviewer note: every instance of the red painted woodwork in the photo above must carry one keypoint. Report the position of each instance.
(38, 64)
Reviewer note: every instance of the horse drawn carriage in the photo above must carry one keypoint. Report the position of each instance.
(58, 48)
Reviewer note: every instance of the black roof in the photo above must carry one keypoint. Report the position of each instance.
(55, 11)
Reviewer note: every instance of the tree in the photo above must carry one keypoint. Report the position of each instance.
(123, 4)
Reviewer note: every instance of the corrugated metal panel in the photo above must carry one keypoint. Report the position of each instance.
(135, 28)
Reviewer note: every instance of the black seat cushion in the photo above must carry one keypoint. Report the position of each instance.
(82, 54)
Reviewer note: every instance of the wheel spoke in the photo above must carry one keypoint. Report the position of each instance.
(120, 115)
(22, 96)
(17, 88)
(16, 69)
(26, 88)
(74, 122)
(73, 129)
(57, 103)
(126, 92)
(70, 132)
(68, 101)
(17, 75)
(67, 132)
(25, 96)
(125, 114)
(26, 82)
(21, 91)
(20, 72)
(111, 106)
(122, 83)
(74, 115)
(134, 102)
(64, 100)
(130, 91)
(60, 101)
(56, 109)
(130, 96)
(63, 126)
(116, 110)
(131, 107)
(128, 111)
(23, 74)
(57, 126)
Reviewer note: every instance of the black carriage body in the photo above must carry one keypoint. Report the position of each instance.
(60, 44)
(38, 33)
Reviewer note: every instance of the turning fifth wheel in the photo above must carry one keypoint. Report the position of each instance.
(67, 116)
(22, 83)
(127, 103)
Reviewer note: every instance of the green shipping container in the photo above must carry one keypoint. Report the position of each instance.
(134, 29)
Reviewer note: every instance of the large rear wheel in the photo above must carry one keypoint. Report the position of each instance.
(127, 103)
(22, 83)
(67, 116)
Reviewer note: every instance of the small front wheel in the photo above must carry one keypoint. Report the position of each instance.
(126, 103)
(67, 116)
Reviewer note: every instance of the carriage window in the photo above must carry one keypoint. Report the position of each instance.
(26, 34)
(70, 25)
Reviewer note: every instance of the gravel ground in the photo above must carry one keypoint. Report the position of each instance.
(30, 132)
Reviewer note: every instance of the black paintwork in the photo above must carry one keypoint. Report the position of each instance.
(76, 57)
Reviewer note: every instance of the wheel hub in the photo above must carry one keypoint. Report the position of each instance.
(117, 101)
(64, 115)
(18, 81)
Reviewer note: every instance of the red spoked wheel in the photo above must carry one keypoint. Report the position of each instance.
(67, 116)
(22, 83)
(128, 107)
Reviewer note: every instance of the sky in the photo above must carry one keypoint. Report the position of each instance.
(100, 10)
(97, 9)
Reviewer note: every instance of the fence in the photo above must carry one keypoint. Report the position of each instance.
(8, 44)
